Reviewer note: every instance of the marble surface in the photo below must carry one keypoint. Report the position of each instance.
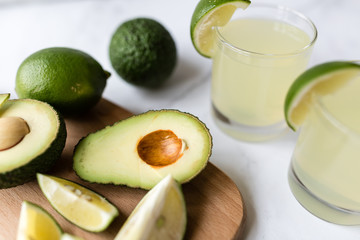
(258, 169)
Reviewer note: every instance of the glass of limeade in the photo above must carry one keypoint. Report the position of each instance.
(257, 56)
(324, 174)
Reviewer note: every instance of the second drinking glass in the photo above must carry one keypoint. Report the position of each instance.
(258, 54)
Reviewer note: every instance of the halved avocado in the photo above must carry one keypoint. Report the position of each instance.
(32, 137)
(143, 149)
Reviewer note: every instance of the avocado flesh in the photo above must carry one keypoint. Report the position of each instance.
(110, 155)
(39, 149)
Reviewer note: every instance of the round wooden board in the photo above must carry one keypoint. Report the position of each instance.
(215, 206)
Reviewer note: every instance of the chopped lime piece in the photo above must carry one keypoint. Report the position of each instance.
(208, 14)
(3, 98)
(161, 214)
(67, 236)
(79, 205)
(36, 223)
(319, 80)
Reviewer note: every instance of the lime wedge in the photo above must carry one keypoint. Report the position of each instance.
(3, 98)
(208, 14)
(161, 214)
(319, 80)
(79, 205)
(36, 223)
(67, 236)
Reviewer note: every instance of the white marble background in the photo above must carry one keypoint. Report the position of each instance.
(258, 169)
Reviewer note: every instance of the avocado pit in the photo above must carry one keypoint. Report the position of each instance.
(160, 148)
(12, 131)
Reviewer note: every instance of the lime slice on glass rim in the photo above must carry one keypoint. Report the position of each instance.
(36, 223)
(79, 205)
(321, 79)
(207, 15)
(161, 214)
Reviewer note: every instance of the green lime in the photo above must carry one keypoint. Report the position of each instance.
(322, 79)
(78, 204)
(36, 223)
(208, 14)
(68, 79)
(161, 214)
(143, 52)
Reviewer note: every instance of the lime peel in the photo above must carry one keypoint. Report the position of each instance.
(68, 79)
(319, 80)
(208, 14)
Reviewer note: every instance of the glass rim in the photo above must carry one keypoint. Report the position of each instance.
(282, 8)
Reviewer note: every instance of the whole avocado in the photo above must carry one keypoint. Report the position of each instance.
(143, 52)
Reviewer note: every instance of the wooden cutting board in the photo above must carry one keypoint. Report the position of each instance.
(215, 206)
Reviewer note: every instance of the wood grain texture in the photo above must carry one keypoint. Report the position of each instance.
(214, 204)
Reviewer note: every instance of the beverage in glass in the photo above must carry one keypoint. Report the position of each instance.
(258, 54)
(324, 172)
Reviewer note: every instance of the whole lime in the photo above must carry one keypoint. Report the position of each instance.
(143, 52)
(68, 79)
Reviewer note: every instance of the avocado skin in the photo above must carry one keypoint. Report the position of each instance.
(143, 52)
(41, 163)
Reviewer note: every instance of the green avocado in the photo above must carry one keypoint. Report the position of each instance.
(32, 137)
(143, 52)
(143, 149)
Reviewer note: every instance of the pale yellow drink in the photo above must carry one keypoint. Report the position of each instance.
(255, 62)
(326, 158)
(252, 91)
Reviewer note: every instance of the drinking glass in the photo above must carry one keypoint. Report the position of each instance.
(324, 171)
(257, 56)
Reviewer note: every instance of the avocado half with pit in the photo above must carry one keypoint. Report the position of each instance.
(32, 137)
(143, 149)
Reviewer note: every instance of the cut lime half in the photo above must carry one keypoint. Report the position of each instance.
(319, 80)
(36, 223)
(207, 15)
(79, 205)
(161, 214)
